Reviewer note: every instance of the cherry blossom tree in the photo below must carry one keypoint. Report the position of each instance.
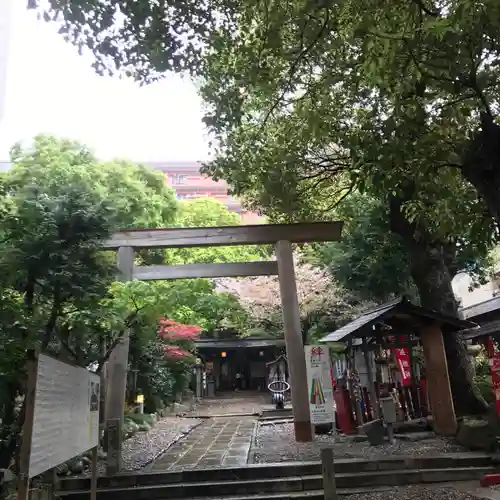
(324, 305)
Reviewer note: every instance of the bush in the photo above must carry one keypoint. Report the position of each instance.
(142, 418)
(482, 377)
(485, 388)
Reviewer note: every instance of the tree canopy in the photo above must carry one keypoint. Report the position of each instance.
(373, 262)
(374, 73)
(137, 195)
(205, 212)
(58, 287)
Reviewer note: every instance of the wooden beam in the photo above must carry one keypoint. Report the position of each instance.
(491, 328)
(259, 234)
(233, 269)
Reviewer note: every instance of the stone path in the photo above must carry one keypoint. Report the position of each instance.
(233, 403)
(217, 442)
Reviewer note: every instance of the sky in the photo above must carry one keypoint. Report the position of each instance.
(50, 89)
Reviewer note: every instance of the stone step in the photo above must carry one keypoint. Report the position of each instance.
(274, 413)
(277, 470)
(319, 494)
(283, 485)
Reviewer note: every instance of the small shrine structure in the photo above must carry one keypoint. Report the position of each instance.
(399, 324)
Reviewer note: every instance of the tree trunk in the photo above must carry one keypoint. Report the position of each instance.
(481, 166)
(9, 427)
(433, 281)
(432, 278)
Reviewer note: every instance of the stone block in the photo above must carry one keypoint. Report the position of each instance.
(375, 432)
(321, 429)
(477, 434)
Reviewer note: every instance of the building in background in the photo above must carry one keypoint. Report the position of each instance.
(189, 183)
(469, 294)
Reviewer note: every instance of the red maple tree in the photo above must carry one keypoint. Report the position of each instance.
(172, 331)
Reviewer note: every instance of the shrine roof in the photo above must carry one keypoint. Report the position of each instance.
(401, 312)
(238, 343)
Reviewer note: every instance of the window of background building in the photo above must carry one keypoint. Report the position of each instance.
(180, 179)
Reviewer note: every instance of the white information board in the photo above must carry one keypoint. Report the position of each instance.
(319, 384)
(66, 414)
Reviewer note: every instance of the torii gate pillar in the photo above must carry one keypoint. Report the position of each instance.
(294, 344)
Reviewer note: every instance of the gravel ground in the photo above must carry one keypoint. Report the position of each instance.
(413, 493)
(144, 447)
(276, 443)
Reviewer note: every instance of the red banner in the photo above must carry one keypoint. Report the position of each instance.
(495, 371)
(402, 356)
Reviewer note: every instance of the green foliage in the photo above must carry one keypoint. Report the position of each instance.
(137, 195)
(143, 418)
(482, 377)
(209, 212)
(49, 257)
(159, 36)
(193, 302)
(370, 261)
(366, 75)
(58, 204)
(373, 262)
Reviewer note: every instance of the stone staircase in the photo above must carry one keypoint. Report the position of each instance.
(298, 480)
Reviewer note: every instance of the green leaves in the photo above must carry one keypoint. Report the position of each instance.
(369, 261)
(151, 37)
(205, 212)
(186, 301)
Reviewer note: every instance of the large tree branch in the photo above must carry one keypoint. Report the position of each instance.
(398, 223)
(427, 10)
(128, 323)
(68, 349)
(52, 321)
(107, 355)
(293, 67)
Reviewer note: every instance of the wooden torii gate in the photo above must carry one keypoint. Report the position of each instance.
(280, 235)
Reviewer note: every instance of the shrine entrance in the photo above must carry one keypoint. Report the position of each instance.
(281, 236)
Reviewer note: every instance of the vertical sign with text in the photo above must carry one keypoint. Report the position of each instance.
(402, 355)
(494, 356)
(319, 383)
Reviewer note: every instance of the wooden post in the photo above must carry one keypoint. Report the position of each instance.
(294, 343)
(27, 430)
(438, 381)
(117, 368)
(55, 484)
(371, 382)
(355, 390)
(93, 479)
(103, 382)
(328, 471)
